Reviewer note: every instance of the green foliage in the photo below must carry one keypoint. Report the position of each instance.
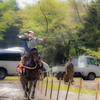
(91, 52)
(72, 51)
(89, 34)
(57, 14)
(6, 15)
(75, 23)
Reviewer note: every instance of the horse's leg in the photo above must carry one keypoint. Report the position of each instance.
(34, 86)
(29, 90)
(26, 87)
(22, 79)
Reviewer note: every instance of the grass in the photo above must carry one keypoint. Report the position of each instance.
(16, 79)
(71, 89)
(13, 79)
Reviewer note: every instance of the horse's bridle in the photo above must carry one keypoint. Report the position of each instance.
(33, 52)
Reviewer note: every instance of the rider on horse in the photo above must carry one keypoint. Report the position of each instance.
(69, 68)
(29, 43)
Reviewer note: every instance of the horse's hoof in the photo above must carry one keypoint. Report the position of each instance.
(32, 97)
(29, 99)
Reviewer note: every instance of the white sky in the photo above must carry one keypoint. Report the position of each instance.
(22, 5)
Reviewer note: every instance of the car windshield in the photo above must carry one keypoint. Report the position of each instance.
(92, 61)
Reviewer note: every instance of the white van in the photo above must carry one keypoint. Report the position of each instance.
(9, 60)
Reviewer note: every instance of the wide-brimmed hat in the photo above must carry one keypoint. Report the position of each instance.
(70, 57)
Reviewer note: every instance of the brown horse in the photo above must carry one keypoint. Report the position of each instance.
(31, 75)
(68, 76)
(70, 73)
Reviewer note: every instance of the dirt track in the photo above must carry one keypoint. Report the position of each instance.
(14, 91)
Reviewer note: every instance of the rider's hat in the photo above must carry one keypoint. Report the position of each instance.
(30, 32)
(70, 57)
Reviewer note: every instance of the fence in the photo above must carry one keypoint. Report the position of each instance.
(50, 85)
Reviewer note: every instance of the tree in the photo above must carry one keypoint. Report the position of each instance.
(10, 34)
(6, 15)
(90, 31)
(59, 23)
(88, 51)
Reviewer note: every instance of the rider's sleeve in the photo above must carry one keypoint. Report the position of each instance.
(24, 39)
(38, 40)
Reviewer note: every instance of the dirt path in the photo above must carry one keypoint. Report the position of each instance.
(14, 91)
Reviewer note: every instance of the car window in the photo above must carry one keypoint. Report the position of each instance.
(91, 61)
(82, 60)
(10, 56)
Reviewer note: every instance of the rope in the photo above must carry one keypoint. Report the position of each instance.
(98, 94)
(85, 90)
(73, 88)
(30, 67)
(82, 87)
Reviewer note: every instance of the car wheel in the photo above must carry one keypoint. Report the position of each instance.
(2, 74)
(58, 78)
(84, 78)
(91, 76)
(58, 75)
(62, 75)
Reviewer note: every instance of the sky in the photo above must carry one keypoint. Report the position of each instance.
(22, 5)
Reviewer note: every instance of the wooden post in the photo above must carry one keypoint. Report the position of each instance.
(46, 85)
(51, 87)
(39, 80)
(80, 88)
(58, 88)
(42, 81)
(38, 84)
(97, 90)
(67, 89)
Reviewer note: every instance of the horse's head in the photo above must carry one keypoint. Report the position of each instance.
(34, 54)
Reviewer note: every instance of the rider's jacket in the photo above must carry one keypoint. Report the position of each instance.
(34, 41)
(30, 44)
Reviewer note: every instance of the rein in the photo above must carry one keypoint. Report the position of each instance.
(30, 67)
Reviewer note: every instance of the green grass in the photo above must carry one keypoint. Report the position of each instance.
(16, 79)
(71, 89)
(13, 79)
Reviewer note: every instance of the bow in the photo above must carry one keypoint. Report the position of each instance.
(45, 19)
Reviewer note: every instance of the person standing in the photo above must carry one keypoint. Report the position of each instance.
(69, 68)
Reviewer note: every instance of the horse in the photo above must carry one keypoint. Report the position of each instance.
(31, 74)
(69, 74)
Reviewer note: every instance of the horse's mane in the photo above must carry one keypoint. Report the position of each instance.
(34, 49)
